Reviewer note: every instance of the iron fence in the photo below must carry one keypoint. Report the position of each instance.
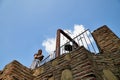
(83, 39)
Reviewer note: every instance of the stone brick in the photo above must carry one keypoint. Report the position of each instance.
(38, 71)
(66, 75)
(68, 57)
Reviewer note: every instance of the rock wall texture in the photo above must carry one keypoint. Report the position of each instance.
(108, 60)
(79, 64)
(16, 71)
(107, 41)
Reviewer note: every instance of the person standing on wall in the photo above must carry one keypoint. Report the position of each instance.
(37, 59)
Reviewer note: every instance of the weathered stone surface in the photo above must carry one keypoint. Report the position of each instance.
(38, 71)
(68, 57)
(16, 71)
(69, 61)
(51, 78)
(66, 75)
(106, 39)
(109, 75)
(55, 62)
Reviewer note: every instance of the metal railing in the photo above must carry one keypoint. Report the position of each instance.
(83, 39)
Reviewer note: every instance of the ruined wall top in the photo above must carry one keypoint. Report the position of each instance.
(106, 40)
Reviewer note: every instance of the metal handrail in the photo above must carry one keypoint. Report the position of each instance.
(83, 41)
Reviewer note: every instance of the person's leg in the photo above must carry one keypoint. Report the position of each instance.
(34, 64)
(38, 63)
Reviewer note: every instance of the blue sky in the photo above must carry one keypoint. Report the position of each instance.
(26, 24)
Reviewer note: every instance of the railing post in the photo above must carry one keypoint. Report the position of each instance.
(58, 43)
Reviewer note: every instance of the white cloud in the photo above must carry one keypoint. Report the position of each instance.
(78, 29)
(50, 43)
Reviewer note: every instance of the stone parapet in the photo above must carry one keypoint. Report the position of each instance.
(16, 71)
(106, 40)
(77, 63)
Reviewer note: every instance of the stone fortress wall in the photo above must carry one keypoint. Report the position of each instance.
(79, 64)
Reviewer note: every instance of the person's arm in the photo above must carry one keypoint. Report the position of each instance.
(40, 57)
(35, 56)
